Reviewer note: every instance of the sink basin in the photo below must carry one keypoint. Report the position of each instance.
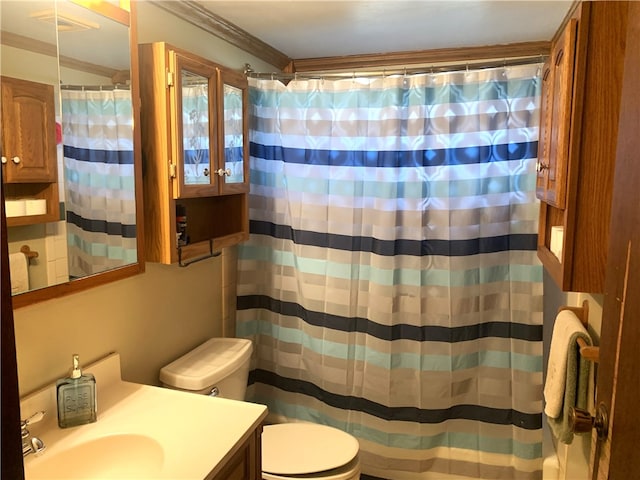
(143, 432)
(109, 457)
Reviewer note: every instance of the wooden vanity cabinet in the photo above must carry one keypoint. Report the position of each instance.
(187, 145)
(245, 463)
(581, 99)
(29, 154)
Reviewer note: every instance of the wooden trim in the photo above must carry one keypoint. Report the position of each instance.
(26, 43)
(618, 387)
(78, 285)
(136, 100)
(88, 67)
(423, 57)
(43, 48)
(195, 14)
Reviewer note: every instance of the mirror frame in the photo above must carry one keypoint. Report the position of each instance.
(77, 285)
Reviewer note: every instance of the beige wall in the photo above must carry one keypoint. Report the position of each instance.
(152, 318)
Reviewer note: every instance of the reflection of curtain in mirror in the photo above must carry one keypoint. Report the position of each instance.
(99, 179)
(233, 140)
(195, 134)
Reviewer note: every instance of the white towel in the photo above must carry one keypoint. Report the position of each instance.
(19, 269)
(566, 325)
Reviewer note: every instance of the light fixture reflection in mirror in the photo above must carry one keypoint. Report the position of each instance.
(98, 157)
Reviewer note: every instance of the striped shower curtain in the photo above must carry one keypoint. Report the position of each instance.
(390, 285)
(195, 136)
(97, 129)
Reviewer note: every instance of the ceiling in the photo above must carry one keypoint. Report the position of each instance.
(303, 29)
(307, 29)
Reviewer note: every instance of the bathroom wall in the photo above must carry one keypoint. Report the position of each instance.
(151, 318)
(574, 458)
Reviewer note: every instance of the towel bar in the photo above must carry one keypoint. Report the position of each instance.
(28, 252)
(589, 352)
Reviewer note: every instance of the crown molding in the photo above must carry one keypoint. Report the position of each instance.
(43, 48)
(424, 57)
(196, 14)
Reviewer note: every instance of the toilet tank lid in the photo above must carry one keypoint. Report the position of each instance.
(207, 364)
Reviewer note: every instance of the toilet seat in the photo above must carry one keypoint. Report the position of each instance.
(308, 450)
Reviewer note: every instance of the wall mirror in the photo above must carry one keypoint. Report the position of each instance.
(87, 50)
(195, 126)
(233, 106)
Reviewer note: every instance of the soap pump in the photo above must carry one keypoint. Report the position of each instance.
(76, 397)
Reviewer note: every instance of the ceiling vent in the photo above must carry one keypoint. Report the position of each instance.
(64, 21)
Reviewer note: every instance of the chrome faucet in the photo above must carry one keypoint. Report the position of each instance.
(31, 444)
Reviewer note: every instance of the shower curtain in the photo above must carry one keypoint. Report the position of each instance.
(390, 285)
(99, 184)
(195, 122)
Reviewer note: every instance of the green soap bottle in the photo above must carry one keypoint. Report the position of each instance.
(76, 397)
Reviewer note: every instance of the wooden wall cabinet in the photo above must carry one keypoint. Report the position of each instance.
(580, 106)
(555, 102)
(194, 117)
(29, 154)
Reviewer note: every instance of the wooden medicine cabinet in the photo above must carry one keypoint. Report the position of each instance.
(580, 106)
(195, 155)
(29, 157)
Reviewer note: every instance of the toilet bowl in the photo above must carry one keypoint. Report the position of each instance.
(220, 367)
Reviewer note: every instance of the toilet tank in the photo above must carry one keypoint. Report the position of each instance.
(218, 367)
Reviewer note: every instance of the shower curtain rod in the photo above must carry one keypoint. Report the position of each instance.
(95, 87)
(363, 73)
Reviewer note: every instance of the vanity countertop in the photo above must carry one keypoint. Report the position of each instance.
(179, 434)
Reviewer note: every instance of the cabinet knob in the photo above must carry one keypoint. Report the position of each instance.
(15, 160)
(223, 172)
(580, 421)
(4, 159)
(205, 172)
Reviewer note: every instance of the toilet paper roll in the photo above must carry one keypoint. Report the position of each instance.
(557, 234)
(15, 208)
(36, 206)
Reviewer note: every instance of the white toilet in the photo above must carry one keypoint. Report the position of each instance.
(220, 367)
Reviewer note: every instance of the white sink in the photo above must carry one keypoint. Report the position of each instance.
(114, 456)
(142, 432)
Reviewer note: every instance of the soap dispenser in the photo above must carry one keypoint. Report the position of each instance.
(76, 397)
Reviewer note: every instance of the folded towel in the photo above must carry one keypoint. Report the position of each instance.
(567, 380)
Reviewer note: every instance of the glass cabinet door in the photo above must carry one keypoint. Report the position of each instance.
(195, 100)
(233, 167)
